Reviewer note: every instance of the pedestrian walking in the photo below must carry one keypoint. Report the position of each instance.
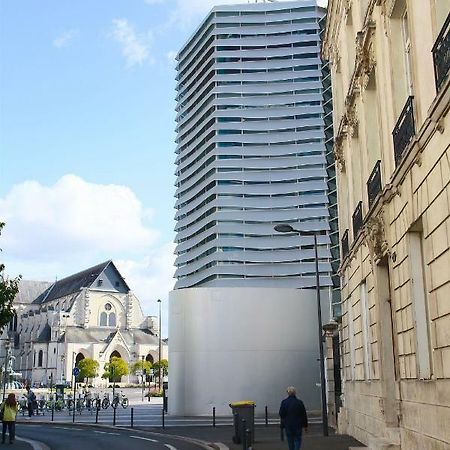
(31, 401)
(8, 413)
(293, 418)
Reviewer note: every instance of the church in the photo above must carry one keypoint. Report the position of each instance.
(91, 314)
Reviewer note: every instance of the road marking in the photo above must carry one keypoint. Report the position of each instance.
(171, 447)
(144, 438)
(100, 432)
(221, 446)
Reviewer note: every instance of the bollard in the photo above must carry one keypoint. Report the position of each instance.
(163, 412)
(114, 416)
(132, 417)
(267, 417)
(53, 412)
(214, 416)
(244, 435)
(96, 414)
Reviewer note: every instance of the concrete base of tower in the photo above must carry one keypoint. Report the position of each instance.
(230, 344)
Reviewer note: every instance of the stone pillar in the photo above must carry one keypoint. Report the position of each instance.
(330, 329)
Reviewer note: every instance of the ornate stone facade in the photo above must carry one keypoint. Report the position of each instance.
(394, 338)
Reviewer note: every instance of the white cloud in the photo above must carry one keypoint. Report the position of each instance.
(135, 47)
(73, 219)
(64, 39)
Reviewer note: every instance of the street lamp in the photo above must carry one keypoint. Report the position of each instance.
(286, 228)
(143, 376)
(159, 348)
(6, 368)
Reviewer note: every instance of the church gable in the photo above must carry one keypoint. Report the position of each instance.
(110, 280)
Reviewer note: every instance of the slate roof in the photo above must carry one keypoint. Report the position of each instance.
(29, 290)
(72, 283)
(45, 334)
(101, 334)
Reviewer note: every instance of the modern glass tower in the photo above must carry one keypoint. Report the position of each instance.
(251, 149)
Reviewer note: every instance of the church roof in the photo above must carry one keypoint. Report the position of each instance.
(74, 283)
(45, 334)
(29, 290)
(102, 334)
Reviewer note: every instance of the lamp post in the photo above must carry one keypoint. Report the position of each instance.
(286, 228)
(143, 376)
(6, 371)
(159, 347)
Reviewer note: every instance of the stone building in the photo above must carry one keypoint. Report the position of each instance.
(92, 314)
(389, 65)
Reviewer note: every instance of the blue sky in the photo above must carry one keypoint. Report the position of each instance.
(87, 136)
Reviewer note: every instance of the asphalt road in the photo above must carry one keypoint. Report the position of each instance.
(58, 437)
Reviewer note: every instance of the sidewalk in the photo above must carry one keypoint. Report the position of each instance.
(18, 444)
(266, 438)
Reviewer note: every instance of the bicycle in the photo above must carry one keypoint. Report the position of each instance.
(120, 399)
(105, 401)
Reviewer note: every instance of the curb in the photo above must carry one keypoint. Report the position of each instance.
(203, 444)
(37, 445)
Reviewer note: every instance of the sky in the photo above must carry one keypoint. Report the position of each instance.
(87, 92)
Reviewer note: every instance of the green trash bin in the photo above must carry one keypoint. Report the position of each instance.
(243, 410)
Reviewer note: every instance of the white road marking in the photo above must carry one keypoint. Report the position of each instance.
(171, 447)
(144, 438)
(100, 432)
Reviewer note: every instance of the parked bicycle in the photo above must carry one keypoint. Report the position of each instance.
(120, 399)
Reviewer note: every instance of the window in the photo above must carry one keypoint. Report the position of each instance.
(365, 317)
(407, 52)
(40, 358)
(351, 338)
(420, 305)
(108, 316)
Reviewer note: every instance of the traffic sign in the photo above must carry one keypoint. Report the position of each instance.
(76, 371)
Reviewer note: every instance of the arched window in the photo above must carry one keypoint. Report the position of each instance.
(40, 358)
(149, 358)
(112, 320)
(103, 319)
(108, 316)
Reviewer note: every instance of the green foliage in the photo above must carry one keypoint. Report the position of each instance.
(8, 291)
(139, 365)
(163, 364)
(115, 369)
(88, 368)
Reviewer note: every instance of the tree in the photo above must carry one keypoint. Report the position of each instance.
(163, 364)
(8, 291)
(115, 369)
(140, 365)
(88, 368)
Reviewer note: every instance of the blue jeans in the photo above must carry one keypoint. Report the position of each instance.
(11, 429)
(294, 438)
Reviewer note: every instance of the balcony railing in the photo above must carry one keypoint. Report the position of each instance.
(344, 244)
(374, 183)
(404, 130)
(441, 54)
(357, 220)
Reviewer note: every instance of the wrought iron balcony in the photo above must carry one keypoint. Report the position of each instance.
(357, 219)
(441, 54)
(344, 244)
(374, 183)
(404, 130)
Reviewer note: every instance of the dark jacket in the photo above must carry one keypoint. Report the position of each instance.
(293, 414)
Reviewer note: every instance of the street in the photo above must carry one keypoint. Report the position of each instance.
(58, 437)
